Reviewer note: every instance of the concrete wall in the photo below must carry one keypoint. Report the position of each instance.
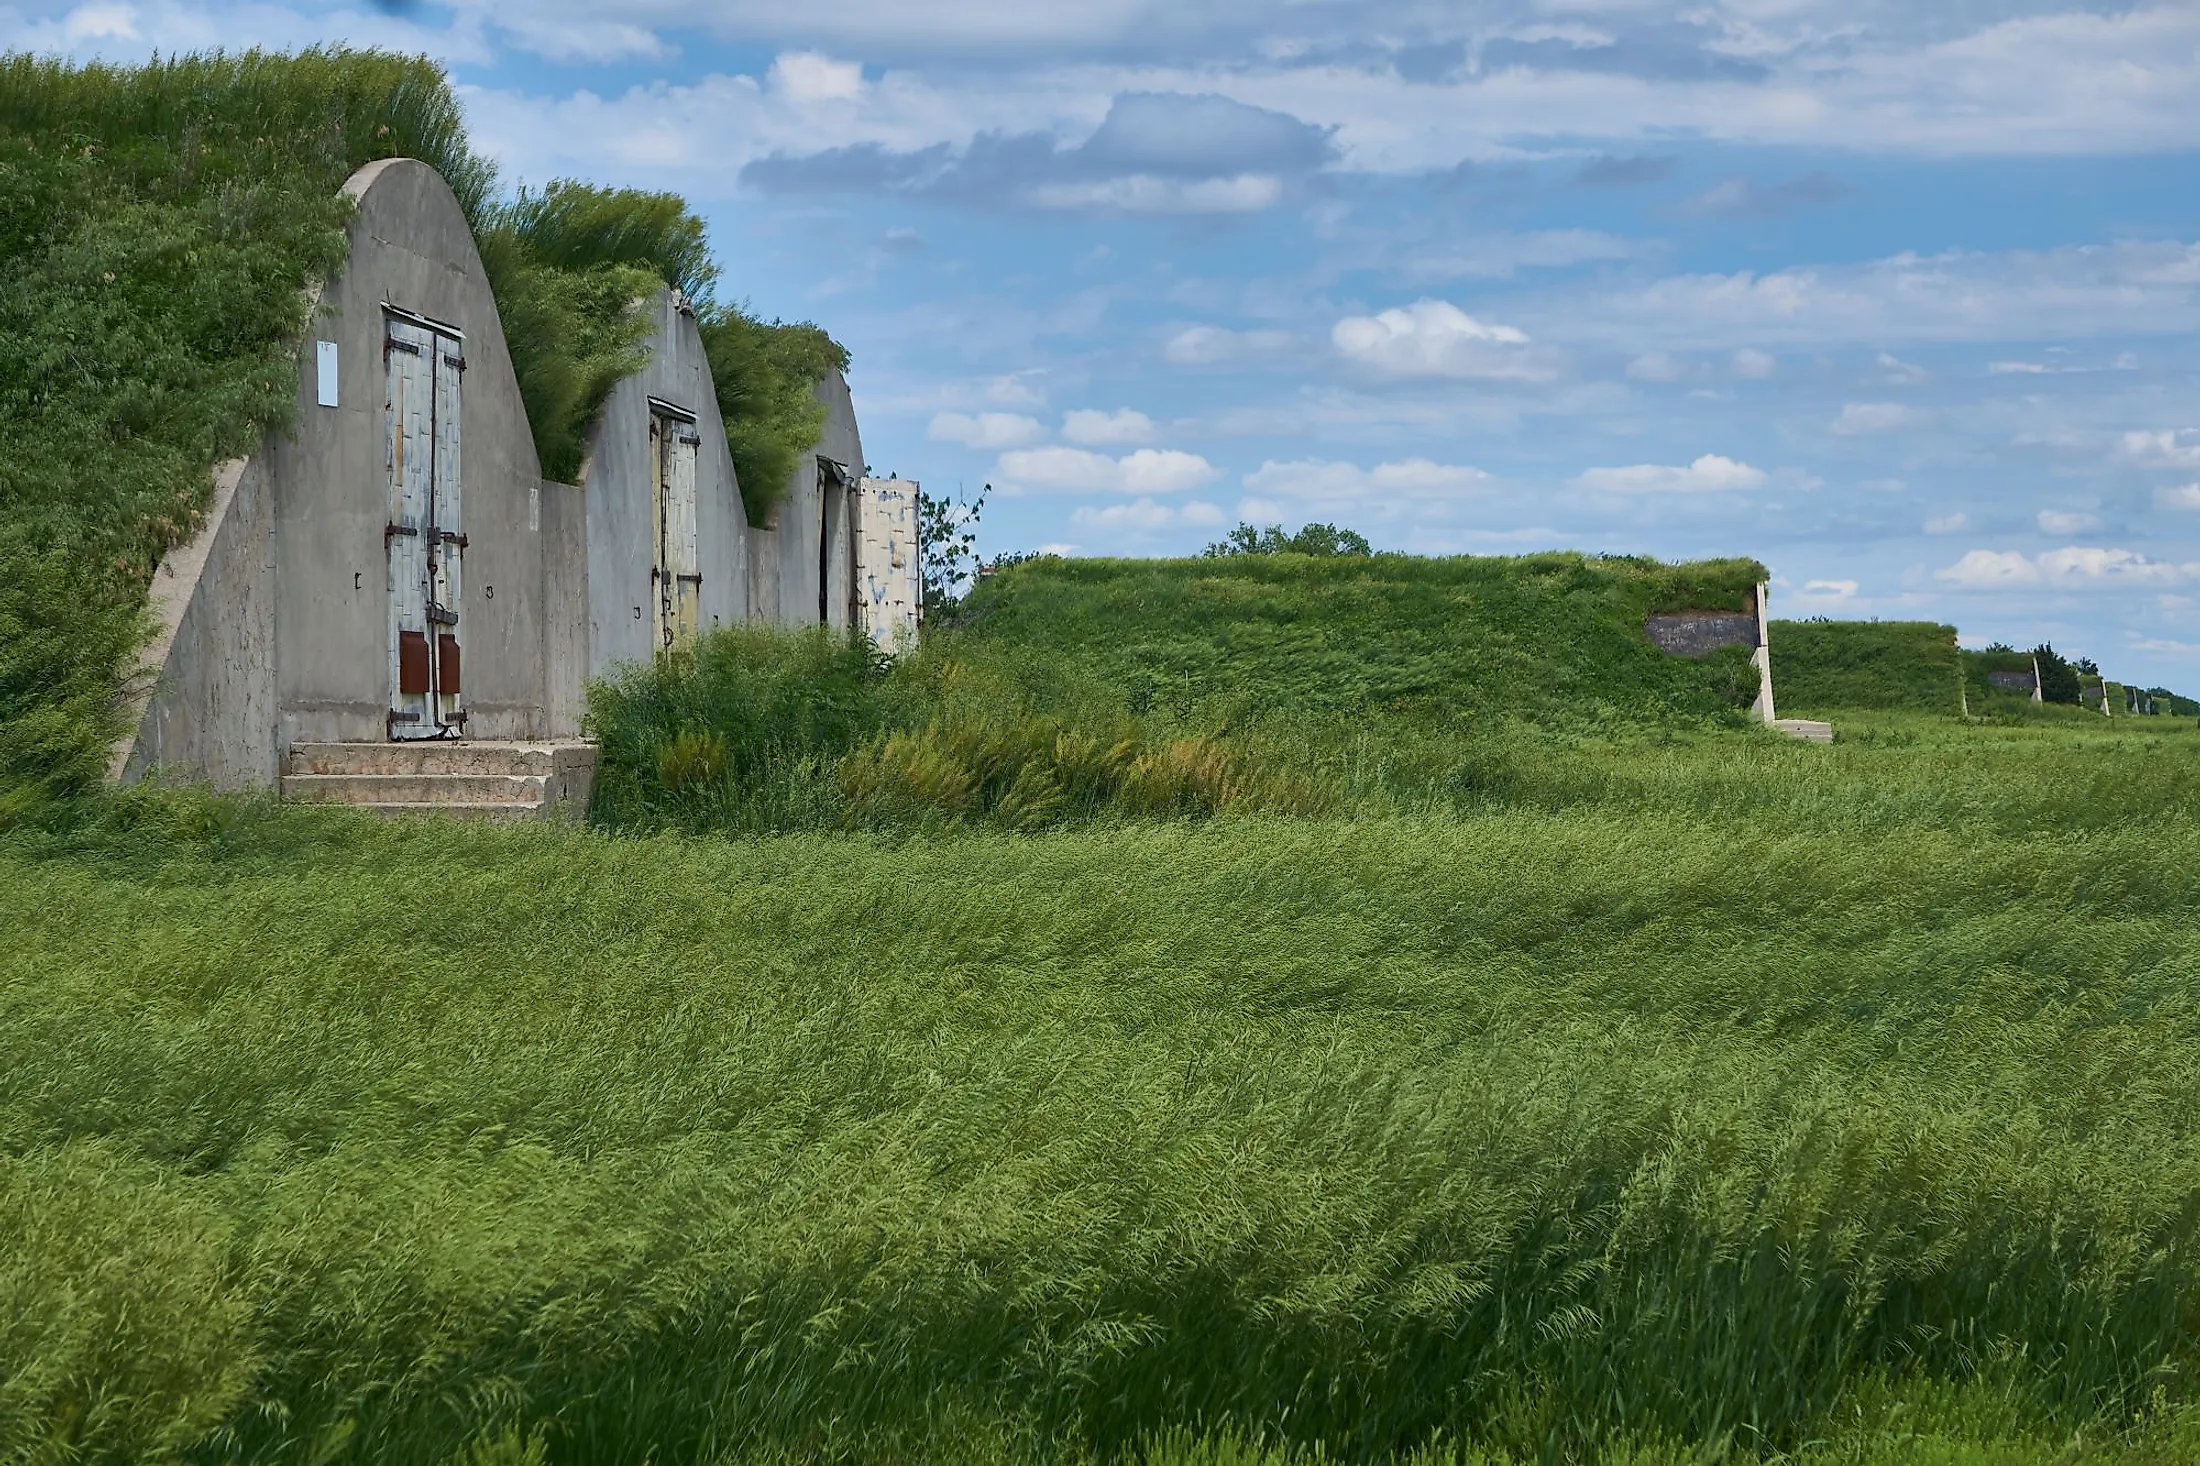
(210, 710)
(410, 247)
(566, 606)
(785, 561)
(275, 618)
(618, 483)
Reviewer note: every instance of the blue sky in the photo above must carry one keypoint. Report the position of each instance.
(1899, 298)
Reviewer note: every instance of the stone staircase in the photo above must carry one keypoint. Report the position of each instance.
(457, 780)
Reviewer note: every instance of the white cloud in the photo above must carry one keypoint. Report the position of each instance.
(1709, 474)
(985, 429)
(2018, 368)
(1079, 470)
(1323, 481)
(1143, 193)
(808, 77)
(1896, 372)
(2172, 448)
(1948, 524)
(1657, 366)
(1753, 365)
(2064, 522)
(2184, 496)
(1092, 427)
(2072, 567)
(1434, 338)
(1205, 345)
(1858, 418)
(1827, 590)
(1147, 515)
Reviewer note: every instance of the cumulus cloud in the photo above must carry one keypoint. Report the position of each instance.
(1080, 470)
(985, 429)
(1206, 345)
(1154, 152)
(1147, 515)
(1091, 427)
(1434, 338)
(2066, 522)
(1739, 198)
(1708, 474)
(2173, 448)
(1860, 418)
(1753, 364)
(1325, 481)
(1828, 590)
(1948, 523)
(1657, 366)
(2072, 567)
(2184, 496)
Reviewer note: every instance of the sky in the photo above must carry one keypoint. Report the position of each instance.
(1900, 299)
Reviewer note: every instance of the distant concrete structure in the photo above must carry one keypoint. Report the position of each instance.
(394, 569)
(889, 579)
(668, 552)
(802, 563)
(1700, 633)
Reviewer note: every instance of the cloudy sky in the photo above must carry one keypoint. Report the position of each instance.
(1900, 298)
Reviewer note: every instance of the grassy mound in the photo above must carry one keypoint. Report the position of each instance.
(1074, 690)
(1821, 665)
(1712, 1089)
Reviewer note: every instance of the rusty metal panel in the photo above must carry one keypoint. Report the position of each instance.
(412, 664)
(446, 665)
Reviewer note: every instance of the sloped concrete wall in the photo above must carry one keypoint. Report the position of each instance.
(618, 483)
(210, 710)
(566, 606)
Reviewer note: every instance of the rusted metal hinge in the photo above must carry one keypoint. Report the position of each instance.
(446, 537)
(456, 361)
(396, 529)
(391, 343)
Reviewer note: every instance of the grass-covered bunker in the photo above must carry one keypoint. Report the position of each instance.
(395, 567)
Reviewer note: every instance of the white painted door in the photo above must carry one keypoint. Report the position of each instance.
(424, 536)
(678, 571)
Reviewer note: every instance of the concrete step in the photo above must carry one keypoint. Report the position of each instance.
(1805, 729)
(525, 790)
(440, 756)
(485, 813)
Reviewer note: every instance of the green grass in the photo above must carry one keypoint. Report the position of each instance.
(1681, 1087)
(1819, 665)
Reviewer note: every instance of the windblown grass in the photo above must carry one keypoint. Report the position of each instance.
(1663, 1092)
(1820, 665)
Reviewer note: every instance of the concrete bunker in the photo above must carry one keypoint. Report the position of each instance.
(668, 552)
(388, 605)
(1699, 633)
(381, 571)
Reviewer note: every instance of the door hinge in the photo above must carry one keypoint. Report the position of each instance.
(441, 616)
(446, 537)
(391, 343)
(456, 361)
(393, 718)
(396, 529)
(693, 440)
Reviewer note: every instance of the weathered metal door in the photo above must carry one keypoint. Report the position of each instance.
(424, 536)
(678, 572)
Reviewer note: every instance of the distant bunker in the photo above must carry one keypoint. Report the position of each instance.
(1699, 633)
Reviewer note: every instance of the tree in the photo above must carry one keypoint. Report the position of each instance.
(1312, 539)
(947, 548)
(2058, 679)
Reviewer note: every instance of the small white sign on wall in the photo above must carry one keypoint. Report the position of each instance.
(324, 359)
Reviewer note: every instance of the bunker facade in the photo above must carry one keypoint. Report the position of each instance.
(393, 572)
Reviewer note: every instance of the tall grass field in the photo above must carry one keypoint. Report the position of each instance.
(1543, 1091)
